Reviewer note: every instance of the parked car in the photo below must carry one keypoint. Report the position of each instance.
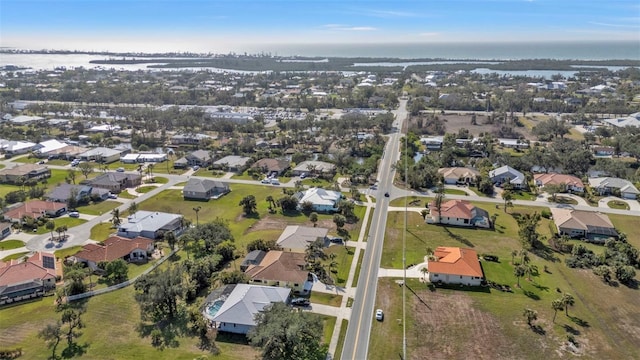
(74, 214)
(41, 162)
(336, 239)
(386, 194)
(120, 169)
(275, 182)
(113, 196)
(196, 168)
(303, 175)
(379, 315)
(266, 181)
(300, 302)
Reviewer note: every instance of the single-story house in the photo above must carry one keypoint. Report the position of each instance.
(35, 209)
(12, 147)
(200, 158)
(83, 193)
(433, 143)
(101, 155)
(570, 182)
(232, 163)
(5, 230)
(325, 201)
(458, 213)
(143, 158)
(284, 269)
(454, 265)
(115, 182)
(513, 143)
(507, 174)
(236, 312)
(181, 163)
(113, 248)
(26, 171)
(296, 238)
(28, 279)
(313, 167)
(631, 120)
(188, 139)
(459, 175)
(272, 166)
(45, 148)
(150, 224)
(25, 119)
(590, 225)
(67, 152)
(609, 185)
(204, 189)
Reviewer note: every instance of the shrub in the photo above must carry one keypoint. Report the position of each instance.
(546, 213)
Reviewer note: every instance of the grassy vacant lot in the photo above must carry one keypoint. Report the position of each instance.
(488, 324)
(412, 201)
(11, 244)
(98, 208)
(244, 229)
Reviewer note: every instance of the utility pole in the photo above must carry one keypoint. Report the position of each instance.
(404, 252)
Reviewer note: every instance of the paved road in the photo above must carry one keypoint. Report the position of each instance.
(356, 342)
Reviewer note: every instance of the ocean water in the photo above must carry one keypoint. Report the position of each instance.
(613, 50)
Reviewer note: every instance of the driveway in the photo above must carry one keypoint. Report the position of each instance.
(633, 204)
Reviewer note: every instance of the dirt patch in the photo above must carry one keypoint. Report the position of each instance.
(454, 122)
(270, 222)
(450, 327)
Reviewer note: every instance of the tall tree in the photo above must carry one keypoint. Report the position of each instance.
(171, 239)
(518, 271)
(115, 217)
(439, 200)
(50, 225)
(133, 208)
(158, 293)
(86, 168)
(507, 196)
(249, 205)
(52, 335)
(556, 305)
(313, 217)
(283, 333)
(567, 300)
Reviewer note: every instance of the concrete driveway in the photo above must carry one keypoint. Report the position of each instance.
(633, 204)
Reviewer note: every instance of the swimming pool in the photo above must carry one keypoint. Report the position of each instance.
(213, 308)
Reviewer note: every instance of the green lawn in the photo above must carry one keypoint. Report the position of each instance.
(328, 325)
(98, 208)
(160, 180)
(617, 204)
(126, 195)
(325, 298)
(523, 195)
(58, 162)
(344, 257)
(455, 192)
(128, 167)
(61, 254)
(27, 159)
(317, 182)
(209, 173)
(15, 256)
(563, 200)
(101, 232)
(356, 275)
(343, 334)
(412, 201)
(11, 244)
(65, 220)
(145, 189)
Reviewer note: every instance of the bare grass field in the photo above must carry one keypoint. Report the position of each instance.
(454, 122)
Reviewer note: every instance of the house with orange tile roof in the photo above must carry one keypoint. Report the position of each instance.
(458, 213)
(22, 280)
(115, 247)
(35, 209)
(454, 265)
(570, 182)
(282, 268)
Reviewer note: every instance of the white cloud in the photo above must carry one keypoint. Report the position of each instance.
(635, 26)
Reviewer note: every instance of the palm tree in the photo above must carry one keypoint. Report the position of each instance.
(567, 300)
(116, 217)
(524, 257)
(518, 271)
(197, 210)
(530, 315)
(530, 269)
(50, 225)
(248, 204)
(170, 237)
(439, 200)
(514, 253)
(271, 202)
(425, 272)
(313, 217)
(556, 305)
(507, 196)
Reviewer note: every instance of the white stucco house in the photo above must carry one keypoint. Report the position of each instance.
(325, 201)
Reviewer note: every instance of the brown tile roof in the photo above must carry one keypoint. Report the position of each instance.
(23, 169)
(271, 164)
(113, 248)
(34, 208)
(460, 209)
(280, 266)
(579, 219)
(558, 179)
(455, 261)
(458, 172)
(15, 272)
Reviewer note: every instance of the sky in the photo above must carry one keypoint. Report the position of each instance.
(234, 25)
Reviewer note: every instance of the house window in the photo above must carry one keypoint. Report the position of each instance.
(460, 276)
(435, 275)
(466, 221)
